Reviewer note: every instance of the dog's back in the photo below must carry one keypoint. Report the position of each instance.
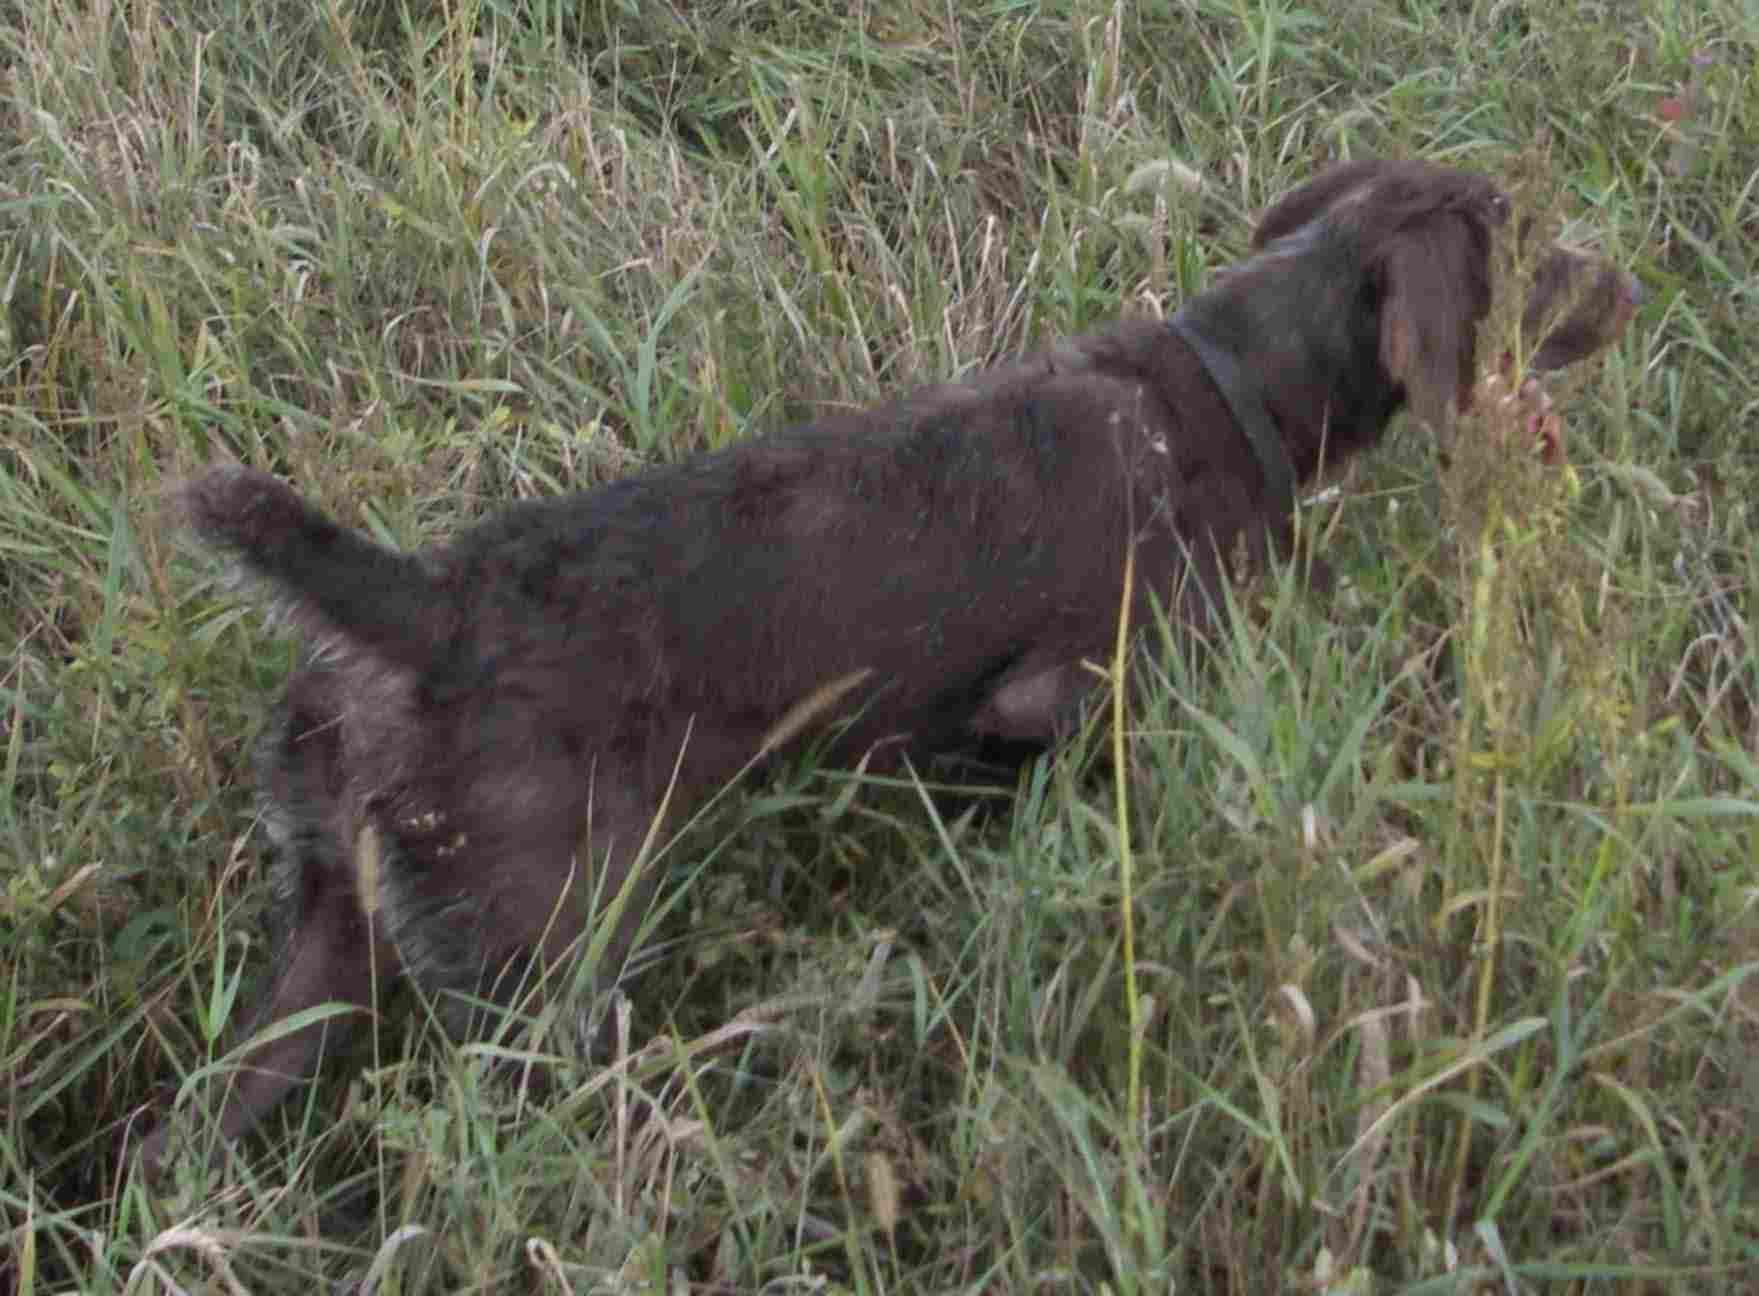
(931, 543)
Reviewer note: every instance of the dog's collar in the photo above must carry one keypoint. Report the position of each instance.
(1248, 410)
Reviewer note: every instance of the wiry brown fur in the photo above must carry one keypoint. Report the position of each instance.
(489, 723)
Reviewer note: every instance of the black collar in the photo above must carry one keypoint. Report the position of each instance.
(1248, 410)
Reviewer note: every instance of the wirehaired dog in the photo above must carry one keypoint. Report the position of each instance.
(476, 749)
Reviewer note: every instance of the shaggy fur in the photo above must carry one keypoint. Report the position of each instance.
(474, 753)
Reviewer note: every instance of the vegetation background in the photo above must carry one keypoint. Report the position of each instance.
(1408, 946)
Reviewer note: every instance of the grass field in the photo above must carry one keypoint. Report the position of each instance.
(1407, 946)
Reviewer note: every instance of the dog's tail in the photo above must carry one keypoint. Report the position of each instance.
(334, 581)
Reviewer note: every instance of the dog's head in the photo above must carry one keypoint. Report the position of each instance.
(1428, 237)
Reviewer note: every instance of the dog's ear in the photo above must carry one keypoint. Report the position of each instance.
(1434, 289)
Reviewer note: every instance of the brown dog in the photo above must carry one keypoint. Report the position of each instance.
(471, 758)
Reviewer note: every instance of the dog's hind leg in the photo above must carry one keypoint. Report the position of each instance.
(334, 953)
(506, 914)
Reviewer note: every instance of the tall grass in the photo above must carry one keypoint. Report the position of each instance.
(1405, 943)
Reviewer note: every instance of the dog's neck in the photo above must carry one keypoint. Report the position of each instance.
(1305, 350)
(1243, 402)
